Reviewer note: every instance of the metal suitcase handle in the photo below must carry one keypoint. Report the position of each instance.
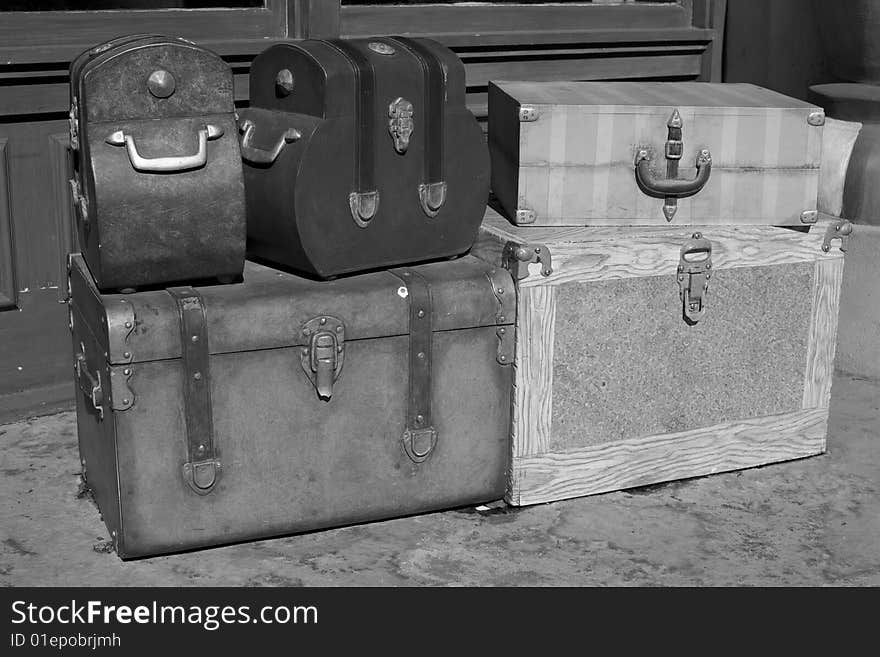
(170, 163)
(259, 155)
(672, 187)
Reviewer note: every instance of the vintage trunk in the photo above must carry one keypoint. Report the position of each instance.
(361, 154)
(218, 414)
(630, 372)
(636, 153)
(158, 185)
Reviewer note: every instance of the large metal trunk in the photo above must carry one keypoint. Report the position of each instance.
(651, 354)
(361, 154)
(295, 437)
(652, 153)
(158, 184)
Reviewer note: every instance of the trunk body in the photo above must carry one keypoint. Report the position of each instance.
(158, 182)
(290, 460)
(618, 384)
(567, 153)
(360, 155)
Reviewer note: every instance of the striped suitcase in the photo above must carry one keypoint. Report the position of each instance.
(634, 153)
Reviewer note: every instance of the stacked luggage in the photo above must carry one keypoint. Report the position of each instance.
(382, 352)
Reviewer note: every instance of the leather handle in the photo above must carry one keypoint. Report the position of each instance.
(170, 163)
(653, 185)
(256, 155)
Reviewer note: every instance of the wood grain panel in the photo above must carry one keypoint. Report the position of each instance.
(439, 19)
(7, 255)
(643, 461)
(533, 397)
(60, 171)
(19, 30)
(617, 68)
(593, 254)
(822, 339)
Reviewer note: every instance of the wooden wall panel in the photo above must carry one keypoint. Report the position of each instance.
(7, 260)
(60, 171)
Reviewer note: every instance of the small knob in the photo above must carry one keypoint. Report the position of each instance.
(161, 83)
(284, 82)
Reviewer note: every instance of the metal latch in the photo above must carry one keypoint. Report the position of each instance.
(694, 272)
(839, 230)
(671, 188)
(90, 385)
(516, 258)
(322, 359)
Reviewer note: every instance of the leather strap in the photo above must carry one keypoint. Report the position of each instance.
(433, 188)
(419, 437)
(202, 467)
(365, 121)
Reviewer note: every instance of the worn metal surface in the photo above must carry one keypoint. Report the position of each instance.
(348, 196)
(292, 461)
(158, 164)
(642, 371)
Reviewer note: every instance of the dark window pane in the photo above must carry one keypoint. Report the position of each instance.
(97, 5)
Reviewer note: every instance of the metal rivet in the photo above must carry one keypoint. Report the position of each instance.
(306, 331)
(826, 248)
(537, 249)
(502, 331)
(284, 82)
(128, 325)
(501, 318)
(161, 83)
(421, 355)
(201, 449)
(421, 314)
(339, 329)
(500, 290)
(197, 376)
(697, 236)
(502, 358)
(305, 351)
(323, 320)
(195, 338)
(127, 354)
(339, 349)
(708, 265)
(125, 401)
(126, 371)
(420, 419)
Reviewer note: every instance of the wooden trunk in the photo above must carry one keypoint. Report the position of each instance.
(567, 153)
(615, 389)
(296, 405)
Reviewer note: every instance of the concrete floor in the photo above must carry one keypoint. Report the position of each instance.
(809, 522)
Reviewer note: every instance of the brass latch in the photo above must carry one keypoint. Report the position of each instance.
(839, 230)
(322, 359)
(516, 258)
(694, 267)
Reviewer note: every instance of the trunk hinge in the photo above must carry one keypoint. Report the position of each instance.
(419, 437)
(837, 230)
(505, 292)
(694, 267)
(322, 358)
(517, 257)
(201, 470)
